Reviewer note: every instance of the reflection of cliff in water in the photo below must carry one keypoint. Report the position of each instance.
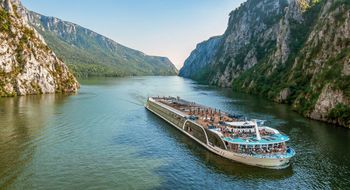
(22, 120)
(222, 165)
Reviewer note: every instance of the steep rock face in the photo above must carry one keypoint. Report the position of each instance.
(200, 58)
(323, 60)
(89, 53)
(328, 100)
(295, 52)
(27, 65)
(251, 34)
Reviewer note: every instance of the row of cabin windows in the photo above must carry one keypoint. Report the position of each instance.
(193, 129)
(254, 146)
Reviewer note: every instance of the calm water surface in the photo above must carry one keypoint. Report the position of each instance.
(103, 138)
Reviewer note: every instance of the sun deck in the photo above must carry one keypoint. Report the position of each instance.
(230, 128)
(204, 116)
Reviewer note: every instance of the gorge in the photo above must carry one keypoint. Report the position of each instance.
(76, 112)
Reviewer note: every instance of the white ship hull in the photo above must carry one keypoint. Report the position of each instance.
(272, 163)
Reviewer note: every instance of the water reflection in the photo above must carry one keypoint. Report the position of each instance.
(21, 123)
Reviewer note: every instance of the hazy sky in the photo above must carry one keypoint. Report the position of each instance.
(170, 28)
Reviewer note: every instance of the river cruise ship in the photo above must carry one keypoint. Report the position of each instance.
(245, 141)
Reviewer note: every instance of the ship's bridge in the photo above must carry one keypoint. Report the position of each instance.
(241, 124)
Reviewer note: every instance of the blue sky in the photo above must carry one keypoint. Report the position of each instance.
(170, 28)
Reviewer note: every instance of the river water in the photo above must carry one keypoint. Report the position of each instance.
(103, 138)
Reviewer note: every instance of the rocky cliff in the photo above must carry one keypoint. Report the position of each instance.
(291, 51)
(200, 59)
(27, 64)
(88, 53)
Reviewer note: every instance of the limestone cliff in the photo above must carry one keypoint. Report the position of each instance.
(27, 64)
(201, 58)
(291, 51)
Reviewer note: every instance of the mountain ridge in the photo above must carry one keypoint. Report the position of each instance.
(89, 53)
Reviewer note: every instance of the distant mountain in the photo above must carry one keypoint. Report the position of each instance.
(290, 51)
(88, 53)
(27, 64)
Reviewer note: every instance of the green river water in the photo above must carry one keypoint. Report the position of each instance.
(103, 138)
